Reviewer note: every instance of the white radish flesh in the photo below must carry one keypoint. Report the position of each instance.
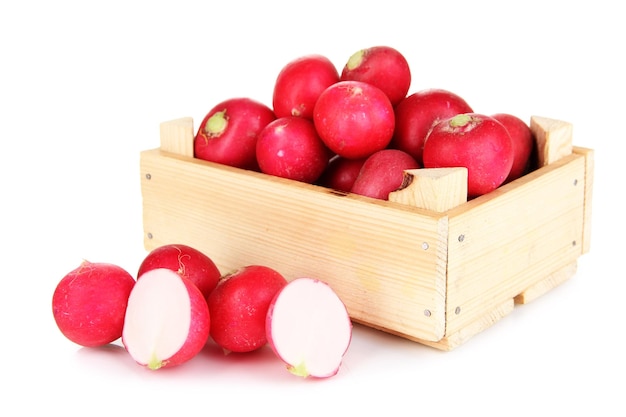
(161, 319)
(309, 328)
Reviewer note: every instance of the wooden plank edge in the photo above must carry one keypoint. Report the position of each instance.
(588, 183)
(436, 189)
(453, 341)
(177, 136)
(550, 282)
(553, 139)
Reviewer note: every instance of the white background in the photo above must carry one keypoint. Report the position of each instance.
(83, 88)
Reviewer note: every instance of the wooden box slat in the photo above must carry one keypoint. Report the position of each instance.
(386, 261)
(513, 238)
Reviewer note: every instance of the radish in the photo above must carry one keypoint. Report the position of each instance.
(167, 321)
(523, 143)
(417, 113)
(239, 305)
(186, 261)
(90, 301)
(308, 328)
(228, 133)
(475, 141)
(383, 67)
(354, 119)
(382, 173)
(289, 147)
(300, 83)
(341, 173)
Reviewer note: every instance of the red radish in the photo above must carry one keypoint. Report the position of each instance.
(382, 66)
(523, 143)
(239, 305)
(300, 83)
(341, 173)
(309, 328)
(354, 119)
(167, 321)
(417, 113)
(475, 141)
(89, 303)
(382, 173)
(228, 133)
(187, 262)
(289, 147)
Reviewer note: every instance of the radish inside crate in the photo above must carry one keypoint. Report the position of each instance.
(427, 264)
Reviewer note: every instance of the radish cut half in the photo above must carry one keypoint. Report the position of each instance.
(167, 319)
(308, 327)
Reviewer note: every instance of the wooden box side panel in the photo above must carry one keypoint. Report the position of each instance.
(589, 176)
(513, 238)
(386, 261)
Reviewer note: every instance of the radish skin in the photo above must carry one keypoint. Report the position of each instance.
(89, 303)
(475, 141)
(239, 305)
(354, 119)
(523, 142)
(382, 66)
(186, 261)
(300, 83)
(383, 172)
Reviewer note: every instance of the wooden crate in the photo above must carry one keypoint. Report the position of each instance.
(426, 265)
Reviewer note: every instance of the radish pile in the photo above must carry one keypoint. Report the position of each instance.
(324, 124)
(179, 303)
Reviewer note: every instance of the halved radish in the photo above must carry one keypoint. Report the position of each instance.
(308, 327)
(167, 320)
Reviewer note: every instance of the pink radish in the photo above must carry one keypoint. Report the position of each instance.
(308, 328)
(228, 133)
(416, 115)
(382, 173)
(89, 303)
(354, 119)
(300, 83)
(381, 66)
(239, 305)
(341, 173)
(167, 320)
(475, 141)
(523, 143)
(186, 261)
(289, 147)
